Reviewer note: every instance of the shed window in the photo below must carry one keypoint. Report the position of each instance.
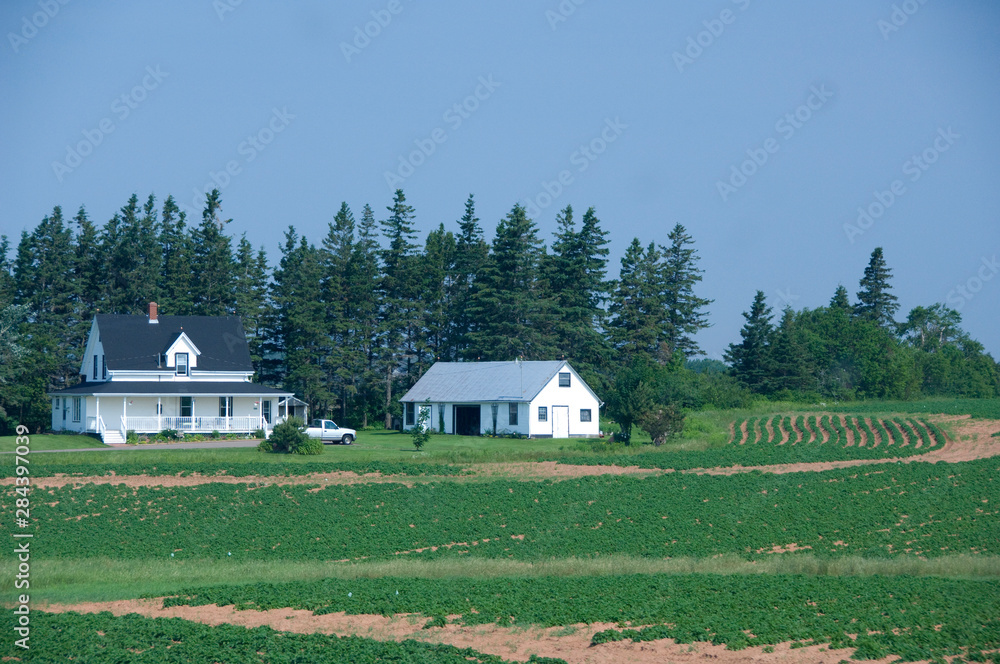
(543, 414)
(564, 379)
(512, 414)
(410, 414)
(584, 414)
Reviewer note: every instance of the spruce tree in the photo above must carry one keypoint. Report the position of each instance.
(875, 302)
(637, 307)
(574, 276)
(839, 299)
(508, 315)
(6, 278)
(364, 296)
(297, 338)
(131, 253)
(401, 311)
(684, 310)
(437, 268)
(792, 368)
(251, 296)
(471, 254)
(751, 360)
(177, 277)
(212, 261)
(335, 292)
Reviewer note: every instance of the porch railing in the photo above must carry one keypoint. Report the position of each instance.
(197, 424)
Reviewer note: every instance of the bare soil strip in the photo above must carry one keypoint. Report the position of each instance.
(871, 425)
(768, 431)
(785, 435)
(571, 643)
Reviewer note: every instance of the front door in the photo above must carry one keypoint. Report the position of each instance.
(560, 421)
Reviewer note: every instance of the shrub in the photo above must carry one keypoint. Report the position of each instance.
(259, 433)
(131, 437)
(215, 434)
(288, 437)
(662, 423)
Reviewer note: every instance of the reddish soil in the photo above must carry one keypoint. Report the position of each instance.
(871, 425)
(571, 643)
(768, 431)
(743, 432)
(851, 442)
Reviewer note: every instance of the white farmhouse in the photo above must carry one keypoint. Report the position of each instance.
(147, 374)
(537, 399)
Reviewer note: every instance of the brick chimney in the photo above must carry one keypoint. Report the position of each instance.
(152, 313)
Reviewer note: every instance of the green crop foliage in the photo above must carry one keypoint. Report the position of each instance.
(935, 616)
(102, 637)
(915, 509)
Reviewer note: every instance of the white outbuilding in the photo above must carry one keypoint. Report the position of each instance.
(536, 399)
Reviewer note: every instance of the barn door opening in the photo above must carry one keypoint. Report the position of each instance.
(560, 421)
(466, 420)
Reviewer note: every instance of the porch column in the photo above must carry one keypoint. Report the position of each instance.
(97, 417)
(159, 413)
(124, 414)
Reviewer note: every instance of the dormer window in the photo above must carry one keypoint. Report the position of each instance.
(181, 362)
(104, 367)
(95, 367)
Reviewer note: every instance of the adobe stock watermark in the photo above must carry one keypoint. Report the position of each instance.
(364, 34)
(786, 127)
(899, 17)
(963, 293)
(562, 12)
(714, 28)
(914, 168)
(581, 158)
(453, 116)
(223, 7)
(249, 148)
(31, 25)
(121, 108)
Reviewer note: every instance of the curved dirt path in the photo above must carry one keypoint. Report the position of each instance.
(570, 643)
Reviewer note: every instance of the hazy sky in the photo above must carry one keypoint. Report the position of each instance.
(790, 138)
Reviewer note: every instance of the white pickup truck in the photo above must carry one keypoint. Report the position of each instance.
(329, 432)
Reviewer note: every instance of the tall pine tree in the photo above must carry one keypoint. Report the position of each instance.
(751, 359)
(212, 261)
(875, 302)
(684, 310)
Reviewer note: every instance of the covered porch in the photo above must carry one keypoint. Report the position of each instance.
(113, 409)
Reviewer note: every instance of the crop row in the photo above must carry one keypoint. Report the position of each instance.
(102, 637)
(936, 616)
(803, 445)
(260, 469)
(837, 430)
(914, 509)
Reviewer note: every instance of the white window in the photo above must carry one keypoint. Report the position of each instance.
(564, 379)
(181, 360)
(159, 408)
(543, 414)
(104, 367)
(187, 406)
(265, 409)
(95, 368)
(76, 409)
(225, 406)
(584, 414)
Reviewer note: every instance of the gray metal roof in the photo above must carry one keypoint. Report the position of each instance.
(473, 382)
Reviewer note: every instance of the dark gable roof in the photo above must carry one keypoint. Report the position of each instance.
(185, 388)
(132, 343)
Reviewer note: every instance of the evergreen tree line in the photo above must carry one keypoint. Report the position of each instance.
(350, 323)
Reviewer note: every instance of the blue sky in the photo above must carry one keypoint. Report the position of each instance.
(762, 127)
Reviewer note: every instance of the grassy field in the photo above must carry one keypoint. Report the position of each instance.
(52, 442)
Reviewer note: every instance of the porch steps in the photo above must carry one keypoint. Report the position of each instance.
(113, 437)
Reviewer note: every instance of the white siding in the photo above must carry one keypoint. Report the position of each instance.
(577, 397)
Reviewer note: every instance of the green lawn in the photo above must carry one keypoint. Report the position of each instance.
(52, 442)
